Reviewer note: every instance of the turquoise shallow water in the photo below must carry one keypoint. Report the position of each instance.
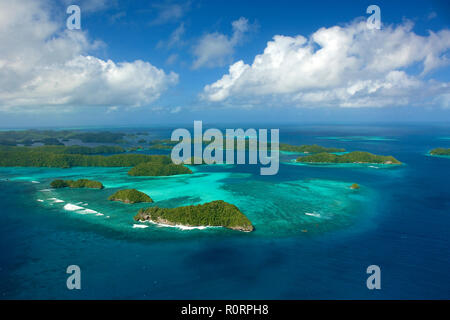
(345, 165)
(314, 236)
(438, 156)
(275, 208)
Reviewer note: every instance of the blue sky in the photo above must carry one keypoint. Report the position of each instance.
(158, 62)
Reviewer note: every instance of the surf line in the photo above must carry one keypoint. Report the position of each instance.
(214, 151)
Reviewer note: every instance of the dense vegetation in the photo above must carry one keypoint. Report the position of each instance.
(62, 157)
(54, 137)
(308, 148)
(168, 145)
(160, 146)
(158, 169)
(352, 157)
(215, 213)
(99, 137)
(164, 144)
(93, 150)
(440, 152)
(67, 150)
(80, 183)
(34, 157)
(164, 141)
(130, 196)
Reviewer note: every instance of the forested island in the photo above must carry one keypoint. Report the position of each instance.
(63, 157)
(132, 149)
(216, 213)
(160, 146)
(351, 157)
(55, 137)
(130, 196)
(18, 157)
(75, 149)
(164, 144)
(440, 152)
(158, 169)
(246, 144)
(80, 183)
(308, 148)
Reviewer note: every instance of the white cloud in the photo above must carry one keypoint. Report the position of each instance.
(348, 66)
(112, 109)
(175, 110)
(175, 38)
(432, 15)
(92, 5)
(169, 12)
(117, 16)
(172, 58)
(177, 34)
(44, 65)
(216, 49)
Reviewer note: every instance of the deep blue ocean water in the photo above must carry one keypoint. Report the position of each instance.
(399, 220)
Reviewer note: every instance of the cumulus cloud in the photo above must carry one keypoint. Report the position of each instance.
(349, 66)
(44, 65)
(216, 49)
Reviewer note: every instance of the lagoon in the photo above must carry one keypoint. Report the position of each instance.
(314, 235)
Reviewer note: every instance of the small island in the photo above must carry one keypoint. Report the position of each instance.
(355, 186)
(130, 196)
(440, 152)
(212, 214)
(80, 183)
(164, 144)
(158, 169)
(352, 157)
(308, 148)
(161, 146)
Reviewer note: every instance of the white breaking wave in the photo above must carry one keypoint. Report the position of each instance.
(45, 190)
(40, 200)
(317, 215)
(35, 181)
(72, 207)
(181, 227)
(140, 226)
(87, 211)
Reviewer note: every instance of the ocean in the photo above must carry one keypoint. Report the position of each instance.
(314, 237)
